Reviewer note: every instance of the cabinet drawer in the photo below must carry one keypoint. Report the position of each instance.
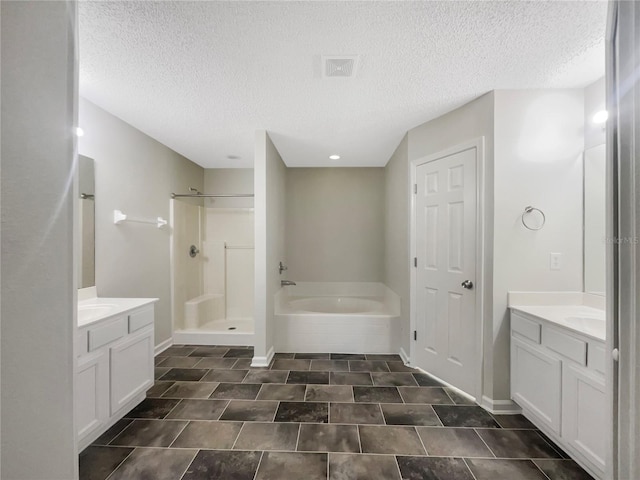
(104, 334)
(140, 319)
(596, 360)
(525, 327)
(566, 345)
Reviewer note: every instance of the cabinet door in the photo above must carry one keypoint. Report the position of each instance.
(535, 382)
(584, 413)
(131, 368)
(92, 393)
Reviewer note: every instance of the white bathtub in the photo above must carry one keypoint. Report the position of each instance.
(337, 318)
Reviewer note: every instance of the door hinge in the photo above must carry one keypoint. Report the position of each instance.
(415, 335)
(415, 188)
(415, 262)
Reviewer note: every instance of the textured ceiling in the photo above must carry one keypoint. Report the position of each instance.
(201, 77)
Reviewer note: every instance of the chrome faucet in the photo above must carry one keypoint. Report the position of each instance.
(284, 283)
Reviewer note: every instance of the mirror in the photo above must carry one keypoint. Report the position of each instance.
(86, 224)
(594, 230)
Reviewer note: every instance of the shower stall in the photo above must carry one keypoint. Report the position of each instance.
(212, 263)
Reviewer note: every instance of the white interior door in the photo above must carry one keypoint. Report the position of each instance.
(446, 320)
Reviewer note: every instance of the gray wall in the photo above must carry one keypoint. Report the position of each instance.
(396, 234)
(228, 180)
(39, 83)
(335, 224)
(270, 221)
(134, 174)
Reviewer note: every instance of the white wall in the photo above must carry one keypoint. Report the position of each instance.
(539, 138)
(135, 174)
(270, 224)
(335, 224)
(594, 189)
(396, 231)
(228, 180)
(594, 101)
(39, 84)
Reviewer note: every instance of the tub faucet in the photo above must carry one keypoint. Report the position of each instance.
(284, 283)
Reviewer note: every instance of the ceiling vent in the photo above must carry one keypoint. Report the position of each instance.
(339, 66)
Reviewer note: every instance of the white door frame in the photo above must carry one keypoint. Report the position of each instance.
(478, 144)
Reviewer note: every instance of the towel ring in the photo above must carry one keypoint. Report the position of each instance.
(531, 209)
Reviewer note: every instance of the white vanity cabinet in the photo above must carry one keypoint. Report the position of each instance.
(114, 369)
(536, 381)
(557, 378)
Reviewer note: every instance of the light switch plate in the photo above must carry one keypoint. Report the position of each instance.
(555, 261)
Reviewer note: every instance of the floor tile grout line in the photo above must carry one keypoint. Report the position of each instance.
(454, 402)
(328, 466)
(120, 464)
(469, 468)
(426, 452)
(238, 436)
(179, 433)
(255, 475)
(395, 457)
(359, 439)
(170, 411)
(189, 464)
(553, 446)
(539, 468)
(483, 441)
(298, 437)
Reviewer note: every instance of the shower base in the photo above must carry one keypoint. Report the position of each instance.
(228, 331)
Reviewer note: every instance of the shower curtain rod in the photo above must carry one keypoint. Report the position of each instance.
(208, 195)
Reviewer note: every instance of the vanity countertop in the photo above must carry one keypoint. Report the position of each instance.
(583, 319)
(97, 309)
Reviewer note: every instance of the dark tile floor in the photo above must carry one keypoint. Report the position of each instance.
(313, 416)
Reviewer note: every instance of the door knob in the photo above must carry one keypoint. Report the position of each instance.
(468, 284)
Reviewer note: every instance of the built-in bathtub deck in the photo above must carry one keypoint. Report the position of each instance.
(337, 317)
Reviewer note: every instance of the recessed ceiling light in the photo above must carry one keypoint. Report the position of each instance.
(233, 157)
(334, 157)
(79, 132)
(600, 117)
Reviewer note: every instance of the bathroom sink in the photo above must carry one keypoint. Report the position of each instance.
(587, 323)
(87, 313)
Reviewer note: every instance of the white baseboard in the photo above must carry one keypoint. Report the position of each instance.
(263, 361)
(162, 346)
(404, 356)
(500, 407)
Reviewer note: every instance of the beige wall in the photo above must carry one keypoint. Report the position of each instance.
(39, 84)
(228, 180)
(270, 178)
(134, 174)
(396, 231)
(335, 224)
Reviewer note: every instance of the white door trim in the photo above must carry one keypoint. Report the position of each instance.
(478, 145)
